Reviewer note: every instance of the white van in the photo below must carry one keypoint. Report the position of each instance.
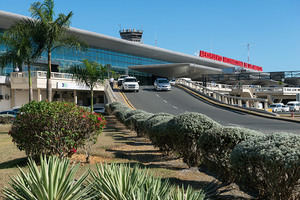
(294, 105)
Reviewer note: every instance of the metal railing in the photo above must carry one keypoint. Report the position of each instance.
(253, 103)
(41, 74)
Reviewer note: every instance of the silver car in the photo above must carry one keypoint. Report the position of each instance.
(162, 84)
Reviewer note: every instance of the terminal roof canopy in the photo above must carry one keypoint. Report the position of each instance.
(177, 70)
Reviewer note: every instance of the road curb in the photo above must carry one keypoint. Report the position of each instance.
(190, 91)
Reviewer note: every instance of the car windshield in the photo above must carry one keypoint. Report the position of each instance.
(123, 76)
(290, 104)
(272, 106)
(130, 80)
(163, 81)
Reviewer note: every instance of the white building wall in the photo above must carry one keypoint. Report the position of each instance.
(5, 102)
(21, 97)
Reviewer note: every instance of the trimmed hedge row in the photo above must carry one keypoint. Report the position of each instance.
(269, 164)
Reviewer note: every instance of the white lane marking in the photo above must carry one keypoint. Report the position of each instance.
(165, 101)
(157, 95)
(175, 107)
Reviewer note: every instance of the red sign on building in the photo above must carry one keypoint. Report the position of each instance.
(216, 57)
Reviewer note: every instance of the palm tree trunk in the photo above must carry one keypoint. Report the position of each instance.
(92, 99)
(49, 85)
(30, 83)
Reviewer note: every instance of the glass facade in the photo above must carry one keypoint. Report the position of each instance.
(63, 58)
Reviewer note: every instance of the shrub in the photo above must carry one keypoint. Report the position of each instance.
(121, 112)
(154, 119)
(55, 128)
(136, 121)
(128, 118)
(160, 137)
(123, 182)
(53, 180)
(115, 105)
(7, 119)
(269, 164)
(216, 146)
(185, 130)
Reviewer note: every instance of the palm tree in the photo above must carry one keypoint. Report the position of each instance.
(90, 74)
(54, 32)
(20, 40)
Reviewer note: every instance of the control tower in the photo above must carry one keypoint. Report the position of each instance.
(131, 35)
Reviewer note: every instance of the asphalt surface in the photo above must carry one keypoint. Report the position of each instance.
(178, 101)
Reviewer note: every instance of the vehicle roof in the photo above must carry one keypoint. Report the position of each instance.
(161, 79)
(128, 77)
(294, 102)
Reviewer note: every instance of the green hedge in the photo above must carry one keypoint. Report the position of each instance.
(136, 121)
(55, 128)
(160, 136)
(216, 146)
(151, 121)
(270, 165)
(185, 131)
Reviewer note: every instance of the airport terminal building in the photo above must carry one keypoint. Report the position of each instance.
(125, 56)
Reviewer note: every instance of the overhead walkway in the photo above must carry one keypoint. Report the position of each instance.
(287, 77)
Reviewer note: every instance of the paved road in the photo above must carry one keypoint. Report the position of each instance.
(178, 101)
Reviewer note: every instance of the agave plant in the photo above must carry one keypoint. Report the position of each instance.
(121, 182)
(54, 180)
(188, 194)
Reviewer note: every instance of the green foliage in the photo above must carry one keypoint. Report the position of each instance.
(160, 136)
(90, 74)
(128, 117)
(216, 146)
(121, 113)
(55, 179)
(7, 119)
(185, 131)
(116, 105)
(125, 183)
(55, 128)
(154, 119)
(52, 33)
(270, 165)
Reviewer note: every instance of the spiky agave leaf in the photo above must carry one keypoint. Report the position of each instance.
(53, 180)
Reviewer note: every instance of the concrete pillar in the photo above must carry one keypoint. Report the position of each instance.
(75, 96)
(214, 95)
(39, 95)
(266, 105)
(247, 103)
(12, 98)
(256, 104)
(226, 100)
(232, 101)
(240, 102)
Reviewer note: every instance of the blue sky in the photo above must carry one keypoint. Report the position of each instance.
(272, 27)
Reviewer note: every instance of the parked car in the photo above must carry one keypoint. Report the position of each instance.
(99, 110)
(162, 84)
(285, 108)
(276, 107)
(130, 84)
(120, 79)
(172, 82)
(8, 113)
(294, 106)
